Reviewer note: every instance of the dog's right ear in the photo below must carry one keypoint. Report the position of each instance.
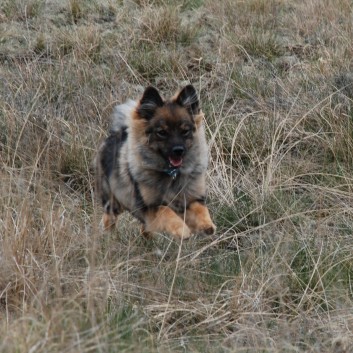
(149, 102)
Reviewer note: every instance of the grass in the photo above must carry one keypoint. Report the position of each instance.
(274, 79)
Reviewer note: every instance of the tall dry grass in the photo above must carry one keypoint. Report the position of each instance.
(275, 82)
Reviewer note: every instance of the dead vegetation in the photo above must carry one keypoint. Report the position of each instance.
(275, 80)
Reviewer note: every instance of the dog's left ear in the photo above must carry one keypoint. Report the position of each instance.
(188, 98)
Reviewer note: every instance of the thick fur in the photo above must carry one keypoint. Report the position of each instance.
(153, 165)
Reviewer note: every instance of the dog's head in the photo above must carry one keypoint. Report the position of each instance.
(167, 128)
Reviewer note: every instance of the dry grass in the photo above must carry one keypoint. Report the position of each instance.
(275, 80)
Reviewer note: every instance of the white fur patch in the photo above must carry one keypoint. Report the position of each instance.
(121, 114)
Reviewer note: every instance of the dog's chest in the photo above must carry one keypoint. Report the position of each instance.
(176, 192)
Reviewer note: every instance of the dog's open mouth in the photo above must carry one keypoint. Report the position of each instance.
(175, 162)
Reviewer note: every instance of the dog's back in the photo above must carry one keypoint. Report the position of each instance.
(107, 161)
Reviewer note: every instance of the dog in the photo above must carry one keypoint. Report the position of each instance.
(153, 164)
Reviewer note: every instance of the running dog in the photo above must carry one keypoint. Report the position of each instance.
(153, 164)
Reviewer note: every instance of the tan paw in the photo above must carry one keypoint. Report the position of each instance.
(207, 229)
(108, 221)
(180, 231)
(164, 219)
(199, 220)
(145, 233)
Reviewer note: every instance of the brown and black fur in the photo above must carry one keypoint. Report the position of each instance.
(153, 165)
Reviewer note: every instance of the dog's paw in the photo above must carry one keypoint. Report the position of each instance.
(164, 219)
(199, 220)
(180, 231)
(108, 222)
(203, 228)
(207, 229)
(147, 235)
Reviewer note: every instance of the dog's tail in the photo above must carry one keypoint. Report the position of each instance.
(121, 115)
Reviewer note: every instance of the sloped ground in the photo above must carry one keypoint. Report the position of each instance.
(275, 81)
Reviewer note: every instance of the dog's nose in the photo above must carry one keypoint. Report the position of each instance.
(178, 151)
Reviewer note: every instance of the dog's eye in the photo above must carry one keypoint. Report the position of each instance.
(162, 133)
(186, 133)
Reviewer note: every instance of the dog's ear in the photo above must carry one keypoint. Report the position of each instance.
(188, 98)
(149, 102)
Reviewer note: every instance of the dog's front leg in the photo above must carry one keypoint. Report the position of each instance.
(198, 219)
(164, 219)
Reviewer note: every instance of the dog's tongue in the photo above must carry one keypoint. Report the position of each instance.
(175, 162)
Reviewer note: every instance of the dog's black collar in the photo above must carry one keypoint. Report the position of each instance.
(172, 172)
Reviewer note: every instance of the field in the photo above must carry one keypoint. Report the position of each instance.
(275, 79)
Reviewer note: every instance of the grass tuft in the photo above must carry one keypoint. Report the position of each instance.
(75, 10)
(20, 10)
